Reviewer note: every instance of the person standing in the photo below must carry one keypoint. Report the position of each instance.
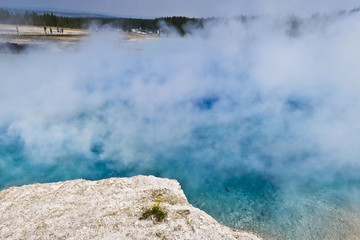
(50, 30)
(45, 30)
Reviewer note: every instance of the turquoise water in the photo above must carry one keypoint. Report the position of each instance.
(218, 178)
(261, 129)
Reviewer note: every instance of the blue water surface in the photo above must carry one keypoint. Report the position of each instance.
(218, 178)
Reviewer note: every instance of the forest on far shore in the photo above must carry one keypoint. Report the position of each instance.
(181, 24)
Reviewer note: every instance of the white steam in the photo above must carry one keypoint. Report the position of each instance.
(276, 97)
(303, 90)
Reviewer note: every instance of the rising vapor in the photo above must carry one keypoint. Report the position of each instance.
(262, 109)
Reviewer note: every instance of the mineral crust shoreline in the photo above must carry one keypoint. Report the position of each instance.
(106, 209)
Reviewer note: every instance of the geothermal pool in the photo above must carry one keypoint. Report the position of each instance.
(260, 127)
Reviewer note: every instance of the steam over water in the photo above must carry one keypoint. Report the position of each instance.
(258, 121)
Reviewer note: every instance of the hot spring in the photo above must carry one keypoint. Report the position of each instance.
(258, 122)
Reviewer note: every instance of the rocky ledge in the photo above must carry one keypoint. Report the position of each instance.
(107, 209)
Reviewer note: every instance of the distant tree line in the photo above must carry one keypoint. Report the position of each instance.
(46, 19)
(181, 24)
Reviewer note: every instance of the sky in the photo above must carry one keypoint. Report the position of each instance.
(190, 8)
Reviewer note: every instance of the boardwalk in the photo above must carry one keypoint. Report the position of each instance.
(25, 30)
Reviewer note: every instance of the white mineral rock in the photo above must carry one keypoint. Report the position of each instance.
(105, 209)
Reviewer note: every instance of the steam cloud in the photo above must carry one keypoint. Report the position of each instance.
(275, 98)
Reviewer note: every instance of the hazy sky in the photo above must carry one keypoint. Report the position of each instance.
(197, 8)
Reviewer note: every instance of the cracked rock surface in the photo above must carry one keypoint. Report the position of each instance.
(106, 209)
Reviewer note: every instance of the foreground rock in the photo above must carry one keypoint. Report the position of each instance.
(106, 209)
